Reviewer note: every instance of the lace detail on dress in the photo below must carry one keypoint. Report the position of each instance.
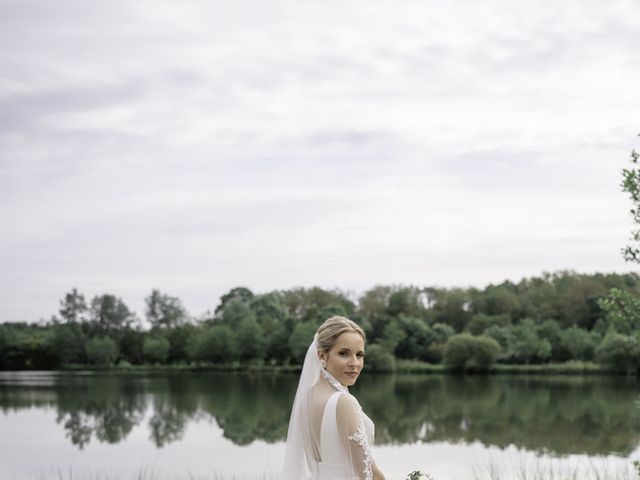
(333, 382)
(360, 437)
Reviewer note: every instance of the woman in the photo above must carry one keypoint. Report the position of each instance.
(329, 435)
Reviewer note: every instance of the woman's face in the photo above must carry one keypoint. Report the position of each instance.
(346, 358)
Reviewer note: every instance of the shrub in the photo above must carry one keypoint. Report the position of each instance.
(215, 344)
(617, 351)
(378, 359)
(156, 349)
(466, 352)
(102, 351)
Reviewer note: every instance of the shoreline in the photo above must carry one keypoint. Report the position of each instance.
(402, 367)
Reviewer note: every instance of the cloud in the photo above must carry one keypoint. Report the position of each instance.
(196, 146)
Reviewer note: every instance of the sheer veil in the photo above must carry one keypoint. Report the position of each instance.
(295, 466)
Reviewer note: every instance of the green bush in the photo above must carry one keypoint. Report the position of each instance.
(214, 344)
(618, 352)
(300, 339)
(579, 343)
(377, 359)
(464, 352)
(156, 349)
(102, 351)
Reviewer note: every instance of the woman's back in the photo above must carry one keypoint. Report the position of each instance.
(340, 435)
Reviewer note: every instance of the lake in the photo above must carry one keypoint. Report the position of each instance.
(233, 425)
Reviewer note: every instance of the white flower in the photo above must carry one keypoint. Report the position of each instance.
(418, 475)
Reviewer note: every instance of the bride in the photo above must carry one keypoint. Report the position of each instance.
(329, 435)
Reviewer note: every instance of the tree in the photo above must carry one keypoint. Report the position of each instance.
(619, 352)
(631, 185)
(235, 312)
(250, 341)
(156, 349)
(102, 351)
(391, 337)
(300, 339)
(110, 314)
(481, 321)
(452, 307)
(164, 311)
(416, 336)
(67, 343)
(622, 311)
(468, 352)
(240, 294)
(378, 359)
(526, 345)
(215, 344)
(578, 343)
(73, 306)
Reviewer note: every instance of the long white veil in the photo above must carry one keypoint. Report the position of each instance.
(295, 466)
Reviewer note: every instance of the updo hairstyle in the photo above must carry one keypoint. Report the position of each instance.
(332, 328)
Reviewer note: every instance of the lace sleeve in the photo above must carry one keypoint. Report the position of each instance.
(351, 421)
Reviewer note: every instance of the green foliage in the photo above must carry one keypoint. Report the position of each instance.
(416, 338)
(631, 185)
(215, 344)
(551, 331)
(156, 349)
(102, 351)
(497, 301)
(622, 310)
(315, 304)
(452, 307)
(481, 321)
(578, 343)
(73, 306)
(249, 340)
(235, 312)
(502, 335)
(164, 311)
(392, 336)
(465, 352)
(130, 345)
(300, 339)
(110, 315)
(526, 346)
(378, 359)
(557, 317)
(241, 294)
(67, 342)
(619, 352)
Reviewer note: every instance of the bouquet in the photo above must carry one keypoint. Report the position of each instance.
(418, 475)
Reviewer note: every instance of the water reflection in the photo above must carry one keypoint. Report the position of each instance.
(557, 415)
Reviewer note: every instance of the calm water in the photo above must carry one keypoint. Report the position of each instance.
(234, 424)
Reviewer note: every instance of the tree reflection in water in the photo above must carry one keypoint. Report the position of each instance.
(558, 415)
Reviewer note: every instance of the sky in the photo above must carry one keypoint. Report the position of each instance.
(197, 146)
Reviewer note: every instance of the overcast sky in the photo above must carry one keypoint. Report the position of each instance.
(195, 146)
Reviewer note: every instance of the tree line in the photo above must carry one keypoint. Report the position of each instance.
(555, 317)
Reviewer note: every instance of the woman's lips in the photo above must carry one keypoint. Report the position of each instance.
(351, 374)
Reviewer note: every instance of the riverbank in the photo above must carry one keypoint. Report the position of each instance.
(402, 366)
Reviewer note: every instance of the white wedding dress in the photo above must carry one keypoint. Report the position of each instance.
(329, 436)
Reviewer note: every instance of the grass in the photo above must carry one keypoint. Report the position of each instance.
(521, 469)
(554, 469)
(402, 366)
(567, 368)
(144, 474)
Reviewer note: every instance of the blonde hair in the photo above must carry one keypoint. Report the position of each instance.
(332, 328)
